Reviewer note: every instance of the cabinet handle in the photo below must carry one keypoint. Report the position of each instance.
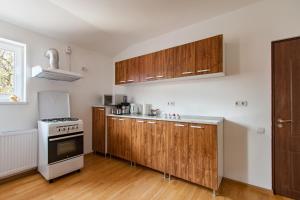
(179, 125)
(121, 119)
(101, 109)
(150, 77)
(151, 122)
(122, 81)
(186, 73)
(159, 76)
(200, 127)
(203, 70)
(140, 121)
(130, 80)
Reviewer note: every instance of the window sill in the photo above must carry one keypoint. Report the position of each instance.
(13, 103)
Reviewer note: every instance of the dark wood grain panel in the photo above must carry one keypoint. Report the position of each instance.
(120, 72)
(209, 55)
(184, 60)
(147, 68)
(286, 117)
(111, 136)
(203, 155)
(178, 139)
(132, 70)
(164, 62)
(98, 132)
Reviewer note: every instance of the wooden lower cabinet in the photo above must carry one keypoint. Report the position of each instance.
(178, 139)
(184, 150)
(119, 137)
(202, 150)
(98, 129)
(148, 145)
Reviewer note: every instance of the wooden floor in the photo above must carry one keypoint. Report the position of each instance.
(114, 179)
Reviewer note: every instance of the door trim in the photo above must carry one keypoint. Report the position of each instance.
(273, 105)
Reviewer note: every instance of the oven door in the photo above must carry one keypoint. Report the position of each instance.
(64, 147)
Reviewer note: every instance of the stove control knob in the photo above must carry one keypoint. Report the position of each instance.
(64, 129)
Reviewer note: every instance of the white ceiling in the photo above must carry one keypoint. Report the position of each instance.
(110, 26)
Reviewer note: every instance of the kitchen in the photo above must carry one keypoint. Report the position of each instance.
(235, 95)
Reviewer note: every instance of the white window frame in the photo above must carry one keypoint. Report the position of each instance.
(20, 70)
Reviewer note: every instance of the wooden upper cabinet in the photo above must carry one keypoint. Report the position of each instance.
(132, 70)
(99, 129)
(202, 167)
(209, 55)
(184, 60)
(195, 58)
(120, 72)
(147, 70)
(163, 62)
(178, 141)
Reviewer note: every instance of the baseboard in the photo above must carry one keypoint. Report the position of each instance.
(249, 185)
(18, 175)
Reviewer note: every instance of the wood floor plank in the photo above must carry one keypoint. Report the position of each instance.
(113, 179)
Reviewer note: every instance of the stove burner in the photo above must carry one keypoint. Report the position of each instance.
(66, 119)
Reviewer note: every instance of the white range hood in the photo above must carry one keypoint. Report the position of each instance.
(54, 74)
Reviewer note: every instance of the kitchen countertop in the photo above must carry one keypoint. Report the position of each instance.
(184, 118)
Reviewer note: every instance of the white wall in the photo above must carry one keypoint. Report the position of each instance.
(248, 33)
(84, 93)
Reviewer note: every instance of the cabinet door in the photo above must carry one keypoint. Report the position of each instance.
(124, 138)
(147, 69)
(203, 155)
(209, 55)
(120, 72)
(99, 130)
(112, 138)
(163, 62)
(184, 60)
(137, 138)
(178, 139)
(132, 70)
(156, 145)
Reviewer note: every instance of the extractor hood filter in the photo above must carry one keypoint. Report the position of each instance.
(55, 74)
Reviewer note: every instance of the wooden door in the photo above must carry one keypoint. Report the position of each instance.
(184, 60)
(286, 117)
(202, 167)
(154, 148)
(132, 70)
(137, 141)
(209, 55)
(147, 70)
(120, 72)
(163, 62)
(112, 138)
(123, 138)
(178, 139)
(98, 130)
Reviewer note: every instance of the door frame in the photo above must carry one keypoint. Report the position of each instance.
(273, 105)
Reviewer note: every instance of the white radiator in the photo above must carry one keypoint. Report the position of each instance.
(18, 152)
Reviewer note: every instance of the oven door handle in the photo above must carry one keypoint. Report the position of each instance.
(66, 137)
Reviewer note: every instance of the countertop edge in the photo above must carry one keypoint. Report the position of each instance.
(196, 121)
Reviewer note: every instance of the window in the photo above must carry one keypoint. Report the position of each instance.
(12, 71)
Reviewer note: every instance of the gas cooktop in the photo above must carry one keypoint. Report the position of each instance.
(65, 119)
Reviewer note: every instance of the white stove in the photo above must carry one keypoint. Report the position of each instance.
(60, 137)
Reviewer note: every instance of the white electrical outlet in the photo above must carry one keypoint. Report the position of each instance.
(241, 103)
(261, 131)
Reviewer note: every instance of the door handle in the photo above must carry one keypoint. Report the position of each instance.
(199, 127)
(284, 120)
(183, 73)
(203, 70)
